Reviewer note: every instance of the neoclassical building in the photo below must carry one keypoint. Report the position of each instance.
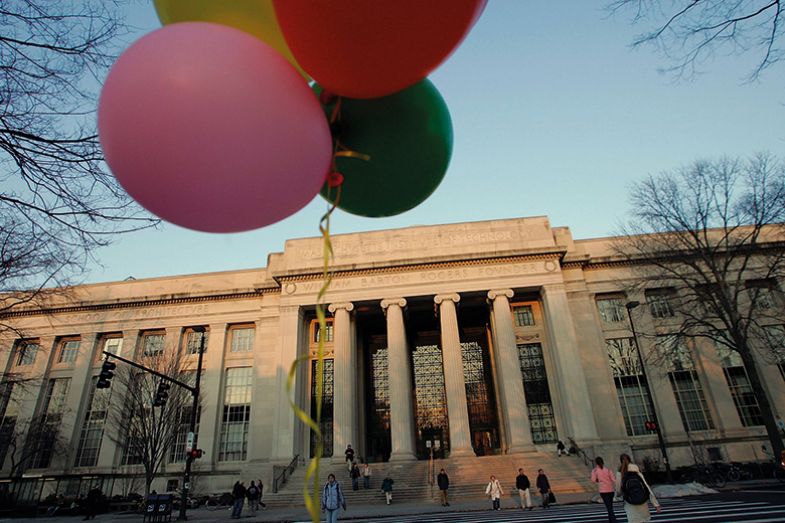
(465, 340)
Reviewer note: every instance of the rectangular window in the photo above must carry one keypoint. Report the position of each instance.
(26, 351)
(236, 414)
(740, 388)
(193, 340)
(113, 345)
(611, 309)
(179, 446)
(9, 410)
(93, 427)
(524, 317)
(48, 425)
(660, 302)
(690, 399)
(242, 338)
(761, 294)
(775, 338)
(328, 332)
(153, 343)
(68, 349)
(630, 384)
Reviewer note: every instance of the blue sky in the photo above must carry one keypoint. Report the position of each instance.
(553, 113)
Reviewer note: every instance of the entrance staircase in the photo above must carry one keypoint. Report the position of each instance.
(468, 478)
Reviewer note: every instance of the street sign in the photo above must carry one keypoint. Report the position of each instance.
(189, 442)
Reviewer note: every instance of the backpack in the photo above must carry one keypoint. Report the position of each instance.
(253, 492)
(635, 492)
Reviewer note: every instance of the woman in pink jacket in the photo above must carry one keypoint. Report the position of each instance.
(606, 479)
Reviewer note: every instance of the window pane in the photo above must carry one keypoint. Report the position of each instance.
(659, 301)
(194, 341)
(93, 428)
(743, 396)
(153, 344)
(328, 330)
(693, 409)
(69, 350)
(114, 346)
(523, 316)
(611, 310)
(630, 384)
(26, 353)
(236, 414)
(242, 339)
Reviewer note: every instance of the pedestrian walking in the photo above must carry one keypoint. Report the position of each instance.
(560, 448)
(91, 503)
(494, 490)
(523, 485)
(636, 492)
(366, 476)
(443, 480)
(332, 499)
(606, 480)
(355, 475)
(387, 488)
(253, 497)
(544, 488)
(238, 492)
(349, 453)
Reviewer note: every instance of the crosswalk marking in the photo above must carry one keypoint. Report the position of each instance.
(674, 510)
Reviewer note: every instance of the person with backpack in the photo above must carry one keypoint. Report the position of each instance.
(332, 499)
(443, 480)
(523, 484)
(494, 490)
(238, 493)
(606, 480)
(253, 498)
(636, 492)
(387, 488)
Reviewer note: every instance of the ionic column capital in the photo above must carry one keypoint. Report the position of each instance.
(346, 306)
(497, 293)
(452, 296)
(400, 302)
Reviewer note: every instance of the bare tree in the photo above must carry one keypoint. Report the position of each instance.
(58, 202)
(714, 233)
(689, 32)
(144, 432)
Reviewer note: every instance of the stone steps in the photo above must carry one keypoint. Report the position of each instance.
(468, 478)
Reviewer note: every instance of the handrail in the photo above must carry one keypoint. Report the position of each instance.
(280, 478)
(588, 461)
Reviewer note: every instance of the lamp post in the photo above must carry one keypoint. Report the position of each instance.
(658, 429)
(192, 429)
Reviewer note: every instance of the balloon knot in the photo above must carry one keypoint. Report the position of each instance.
(334, 179)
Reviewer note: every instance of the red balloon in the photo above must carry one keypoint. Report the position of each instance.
(365, 49)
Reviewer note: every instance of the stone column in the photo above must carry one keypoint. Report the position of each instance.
(400, 376)
(568, 360)
(460, 439)
(513, 400)
(345, 381)
(290, 341)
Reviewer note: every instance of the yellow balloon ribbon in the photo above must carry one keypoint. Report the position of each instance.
(256, 17)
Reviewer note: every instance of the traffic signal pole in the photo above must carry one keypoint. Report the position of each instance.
(190, 455)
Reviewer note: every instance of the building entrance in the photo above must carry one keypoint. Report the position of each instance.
(430, 401)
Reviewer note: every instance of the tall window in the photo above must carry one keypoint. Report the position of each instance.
(236, 415)
(69, 349)
(775, 335)
(524, 317)
(693, 408)
(9, 410)
(242, 338)
(93, 427)
(193, 340)
(740, 388)
(611, 309)
(153, 343)
(630, 384)
(180, 443)
(326, 422)
(112, 344)
(660, 302)
(26, 351)
(761, 293)
(48, 427)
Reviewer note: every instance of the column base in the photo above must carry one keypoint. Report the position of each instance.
(462, 453)
(402, 456)
(520, 449)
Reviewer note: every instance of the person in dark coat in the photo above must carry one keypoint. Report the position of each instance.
(238, 493)
(349, 453)
(91, 503)
(523, 484)
(355, 475)
(443, 480)
(544, 487)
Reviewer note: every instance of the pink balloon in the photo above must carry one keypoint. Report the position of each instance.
(211, 129)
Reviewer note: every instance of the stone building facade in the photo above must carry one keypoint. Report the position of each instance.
(465, 339)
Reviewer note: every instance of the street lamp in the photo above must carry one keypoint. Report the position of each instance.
(190, 455)
(631, 305)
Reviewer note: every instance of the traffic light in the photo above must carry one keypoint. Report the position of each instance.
(162, 394)
(106, 375)
(650, 425)
(195, 453)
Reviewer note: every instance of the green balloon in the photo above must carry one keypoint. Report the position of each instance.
(408, 139)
